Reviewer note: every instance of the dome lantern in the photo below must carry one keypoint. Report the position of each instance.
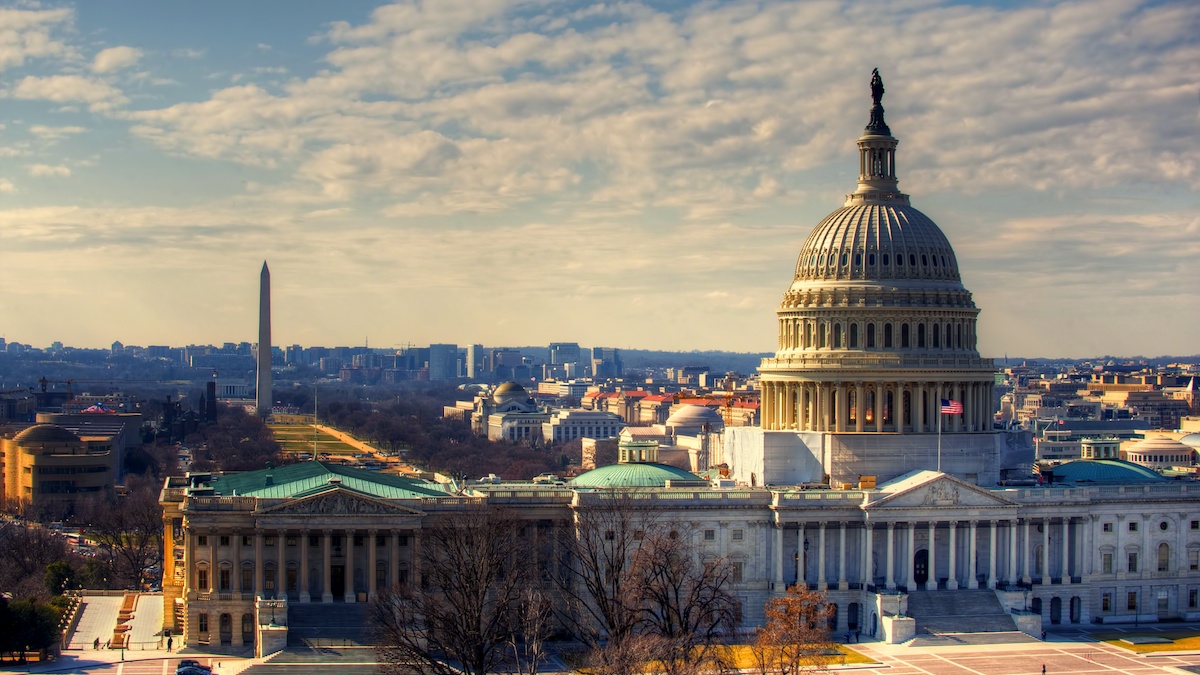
(877, 155)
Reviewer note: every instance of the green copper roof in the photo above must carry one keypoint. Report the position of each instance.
(297, 480)
(1104, 471)
(632, 475)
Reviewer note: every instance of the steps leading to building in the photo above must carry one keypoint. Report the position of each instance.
(963, 611)
(327, 624)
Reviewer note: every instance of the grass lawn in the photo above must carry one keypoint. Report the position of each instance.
(295, 439)
(742, 657)
(1181, 640)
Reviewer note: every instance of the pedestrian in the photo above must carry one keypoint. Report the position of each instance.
(169, 644)
(1043, 669)
(107, 644)
(847, 637)
(96, 644)
(858, 635)
(1043, 636)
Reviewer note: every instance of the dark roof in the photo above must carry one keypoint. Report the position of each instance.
(302, 478)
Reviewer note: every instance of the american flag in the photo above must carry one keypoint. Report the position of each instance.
(951, 407)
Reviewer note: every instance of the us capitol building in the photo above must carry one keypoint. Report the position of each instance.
(856, 484)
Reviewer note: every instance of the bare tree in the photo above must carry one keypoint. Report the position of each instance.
(461, 616)
(686, 602)
(531, 629)
(638, 590)
(128, 529)
(795, 636)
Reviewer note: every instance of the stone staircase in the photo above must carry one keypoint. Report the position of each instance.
(963, 611)
(320, 625)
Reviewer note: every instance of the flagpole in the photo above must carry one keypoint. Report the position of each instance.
(939, 459)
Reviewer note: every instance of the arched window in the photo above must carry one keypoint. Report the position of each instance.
(871, 259)
(870, 336)
(837, 336)
(853, 336)
(904, 336)
(886, 260)
(958, 342)
(920, 336)
(807, 335)
(948, 342)
(821, 334)
(937, 336)
(912, 259)
(1164, 557)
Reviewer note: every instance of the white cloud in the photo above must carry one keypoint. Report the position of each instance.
(48, 170)
(50, 133)
(115, 58)
(99, 95)
(28, 34)
(7, 186)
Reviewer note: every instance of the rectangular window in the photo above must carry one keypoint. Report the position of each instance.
(313, 541)
(202, 579)
(224, 580)
(224, 540)
(268, 541)
(247, 541)
(738, 535)
(710, 535)
(404, 540)
(269, 580)
(202, 623)
(1107, 527)
(1195, 525)
(738, 570)
(1106, 602)
(1133, 562)
(202, 540)
(1131, 601)
(293, 583)
(291, 541)
(1133, 526)
(1193, 598)
(358, 540)
(1194, 559)
(1106, 563)
(247, 580)
(380, 540)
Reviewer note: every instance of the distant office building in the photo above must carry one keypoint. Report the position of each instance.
(443, 362)
(606, 363)
(474, 361)
(562, 353)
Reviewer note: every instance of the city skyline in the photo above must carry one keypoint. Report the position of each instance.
(512, 174)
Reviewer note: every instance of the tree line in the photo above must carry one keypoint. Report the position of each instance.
(637, 591)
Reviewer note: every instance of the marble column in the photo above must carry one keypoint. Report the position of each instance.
(213, 564)
(1012, 552)
(350, 595)
(991, 578)
(236, 582)
(891, 549)
(1025, 577)
(821, 585)
(304, 582)
(281, 564)
(910, 556)
(839, 407)
(919, 409)
(259, 563)
(394, 558)
(372, 563)
(1066, 551)
(878, 407)
(931, 583)
(801, 557)
(189, 561)
(865, 566)
(778, 557)
(972, 569)
(952, 577)
(1046, 576)
(842, 583)
(859, 406)
(900, 411)
(327, 573)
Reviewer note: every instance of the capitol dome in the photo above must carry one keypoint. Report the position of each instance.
(876, 331)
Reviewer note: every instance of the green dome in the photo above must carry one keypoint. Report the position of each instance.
(633, 475)
(1104, 471)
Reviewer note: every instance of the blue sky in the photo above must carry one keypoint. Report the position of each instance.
(626, 174)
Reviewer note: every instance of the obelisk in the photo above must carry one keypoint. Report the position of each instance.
(263, 398)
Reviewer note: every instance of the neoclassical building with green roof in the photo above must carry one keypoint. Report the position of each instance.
(873, 334)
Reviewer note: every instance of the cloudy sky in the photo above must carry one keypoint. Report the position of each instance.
(625, 174)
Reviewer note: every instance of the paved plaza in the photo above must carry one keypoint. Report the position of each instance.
(1069, 651)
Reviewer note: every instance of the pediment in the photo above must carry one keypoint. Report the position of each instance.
(339, 502)
(941, 491)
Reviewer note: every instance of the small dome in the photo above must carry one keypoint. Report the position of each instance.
(1159, 444)
(509, 391)
(46, 433)
(692, 415)
(1103, 471)
(632, 475)
(1191, 440)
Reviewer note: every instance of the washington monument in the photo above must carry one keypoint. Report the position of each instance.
(263, 399)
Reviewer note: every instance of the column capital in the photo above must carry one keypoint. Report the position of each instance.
(372, 531)
(891, 526)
